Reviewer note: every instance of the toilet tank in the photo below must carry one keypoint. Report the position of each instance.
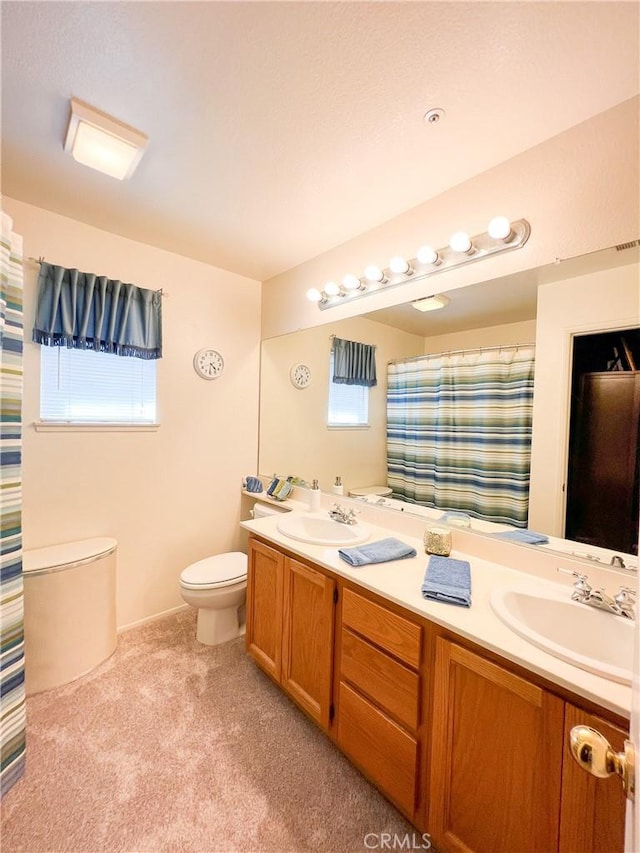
(261, 510)
(69, 610)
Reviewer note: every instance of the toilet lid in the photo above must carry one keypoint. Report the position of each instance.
(220, 569)
(370, 490)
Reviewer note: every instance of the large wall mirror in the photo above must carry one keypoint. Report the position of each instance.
(550, 307)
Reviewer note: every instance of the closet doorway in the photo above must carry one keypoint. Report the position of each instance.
(604, 441)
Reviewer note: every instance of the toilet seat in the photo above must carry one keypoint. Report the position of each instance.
(218, 571)
(365, 491)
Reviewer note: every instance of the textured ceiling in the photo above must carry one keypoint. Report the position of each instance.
(279, 130)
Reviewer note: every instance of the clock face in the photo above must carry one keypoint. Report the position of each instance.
(208, 363)
(300, 376)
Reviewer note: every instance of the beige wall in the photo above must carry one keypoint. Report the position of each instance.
(601, 301)
(169, 497)
(294, 437)
(578, 190)
(489, 336)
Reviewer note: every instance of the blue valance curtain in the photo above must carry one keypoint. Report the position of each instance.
(85, 311)
(354, 363)
(459, 432)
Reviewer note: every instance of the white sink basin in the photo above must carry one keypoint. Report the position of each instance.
(591, 639)
(319, 529)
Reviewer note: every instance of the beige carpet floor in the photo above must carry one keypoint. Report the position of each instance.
(173, 746)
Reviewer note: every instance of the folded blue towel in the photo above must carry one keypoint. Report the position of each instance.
(526, 537)
(382, 551)
(448, 580)
(253, 484)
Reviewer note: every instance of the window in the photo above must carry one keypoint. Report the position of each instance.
(348, 404)
(88, 387)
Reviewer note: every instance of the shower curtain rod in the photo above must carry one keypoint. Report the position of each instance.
(40, 260)
(459, 352)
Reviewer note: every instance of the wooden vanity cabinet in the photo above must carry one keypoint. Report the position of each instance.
(593, 810)
(265, 586)
(472, 752)
(290, 627)
(307, 639)
(378, 702)
(496, 757)
(501, 775)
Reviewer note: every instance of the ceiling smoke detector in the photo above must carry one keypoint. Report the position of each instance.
(434, 116)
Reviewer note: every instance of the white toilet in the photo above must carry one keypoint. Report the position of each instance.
(371, 491)
(217, 587)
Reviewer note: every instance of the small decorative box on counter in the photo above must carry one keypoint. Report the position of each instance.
(437, 540)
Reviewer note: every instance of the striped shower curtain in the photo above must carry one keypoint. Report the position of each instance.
(459, 432)
(12, 697)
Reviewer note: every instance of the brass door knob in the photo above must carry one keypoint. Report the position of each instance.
(594, 754)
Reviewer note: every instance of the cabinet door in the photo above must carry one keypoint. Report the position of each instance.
(592, 815)
(264, 607)
(496, 761)
(307, 639)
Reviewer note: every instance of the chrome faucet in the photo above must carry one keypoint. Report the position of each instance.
(620, 605)
(338, 513)
(581, 588)
(625, 599)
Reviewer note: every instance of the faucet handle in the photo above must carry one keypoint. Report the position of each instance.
(581, 583)
(625, 595)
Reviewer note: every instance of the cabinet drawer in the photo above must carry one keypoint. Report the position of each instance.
(384, 751)
(386, 629)
(387, 682)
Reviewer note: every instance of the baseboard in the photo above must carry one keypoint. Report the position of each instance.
(153, 618)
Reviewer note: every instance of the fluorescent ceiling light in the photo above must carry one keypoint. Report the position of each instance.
(430, 303)
(101, 142)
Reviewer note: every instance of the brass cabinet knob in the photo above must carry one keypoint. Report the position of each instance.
(594, 754)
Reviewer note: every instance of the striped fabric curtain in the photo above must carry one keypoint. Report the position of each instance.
(12, 696)
(459, 432)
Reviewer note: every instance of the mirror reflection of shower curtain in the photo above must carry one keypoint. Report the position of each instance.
(459, 432)
(12, 694)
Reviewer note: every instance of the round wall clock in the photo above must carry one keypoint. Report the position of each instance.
(208, 363)
(300, 376)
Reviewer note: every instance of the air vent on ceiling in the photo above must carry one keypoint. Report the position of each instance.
(630, 245)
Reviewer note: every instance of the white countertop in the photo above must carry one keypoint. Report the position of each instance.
(400, 581)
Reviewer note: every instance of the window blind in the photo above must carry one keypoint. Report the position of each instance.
(84, 386)
(348, 404)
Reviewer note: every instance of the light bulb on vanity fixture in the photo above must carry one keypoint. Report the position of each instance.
(461, 242)
(502, 236)
(500, 228)
(427, 255)
(399, 266)
(375, 274)
(351, 283)
(314, 295)
(332, 289)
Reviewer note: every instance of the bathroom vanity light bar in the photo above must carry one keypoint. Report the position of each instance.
(501, 236)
